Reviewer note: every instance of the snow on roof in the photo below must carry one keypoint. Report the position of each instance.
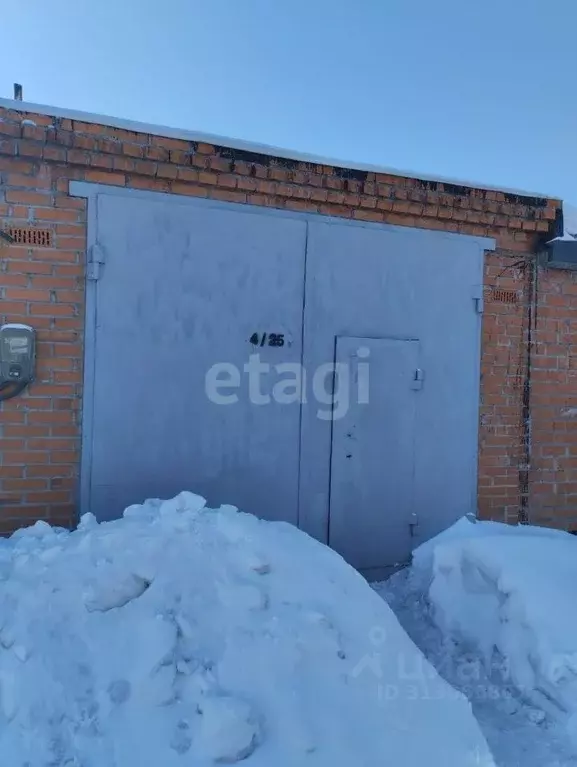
(569, 221)
(247, 146)
(569, 224)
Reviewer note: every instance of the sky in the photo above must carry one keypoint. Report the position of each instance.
(478, 90)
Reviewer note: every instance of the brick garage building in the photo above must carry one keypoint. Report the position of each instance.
(527, 429)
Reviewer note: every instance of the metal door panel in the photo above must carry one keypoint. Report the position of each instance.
(184, 285)
(372, 455)
(181, 289)
(408, 284)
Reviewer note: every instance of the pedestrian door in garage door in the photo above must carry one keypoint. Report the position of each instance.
(199, 314)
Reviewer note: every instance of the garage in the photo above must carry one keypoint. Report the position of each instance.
(310, 370)
(362, 353)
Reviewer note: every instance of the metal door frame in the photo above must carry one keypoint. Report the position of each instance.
(90, 191)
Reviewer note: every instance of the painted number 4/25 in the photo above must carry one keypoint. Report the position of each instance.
(267, 339)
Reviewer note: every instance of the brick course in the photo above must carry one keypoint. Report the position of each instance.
(40, 431)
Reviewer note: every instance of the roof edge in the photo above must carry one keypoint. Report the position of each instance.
(248, 146)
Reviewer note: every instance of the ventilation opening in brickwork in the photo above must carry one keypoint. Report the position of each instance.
(38, 238)
(503, 296)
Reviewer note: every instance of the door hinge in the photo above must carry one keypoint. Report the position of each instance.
(95, 262)
(418, 379)
(478, 298)
(414, 523)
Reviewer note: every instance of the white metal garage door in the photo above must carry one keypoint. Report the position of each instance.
(411, 285)
(198, 315)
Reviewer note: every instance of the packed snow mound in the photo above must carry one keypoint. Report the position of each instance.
(181, 635)
(510, 592)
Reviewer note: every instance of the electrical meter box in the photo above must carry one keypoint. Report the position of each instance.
(17, 354)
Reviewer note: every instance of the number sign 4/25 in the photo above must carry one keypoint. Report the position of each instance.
(267, 339)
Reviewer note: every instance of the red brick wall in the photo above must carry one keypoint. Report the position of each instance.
(554, 401)
(40, 431)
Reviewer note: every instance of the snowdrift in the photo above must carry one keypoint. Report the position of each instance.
(510, 592)
(181, 635)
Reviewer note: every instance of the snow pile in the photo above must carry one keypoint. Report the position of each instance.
(181, 635)
(510, 593)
